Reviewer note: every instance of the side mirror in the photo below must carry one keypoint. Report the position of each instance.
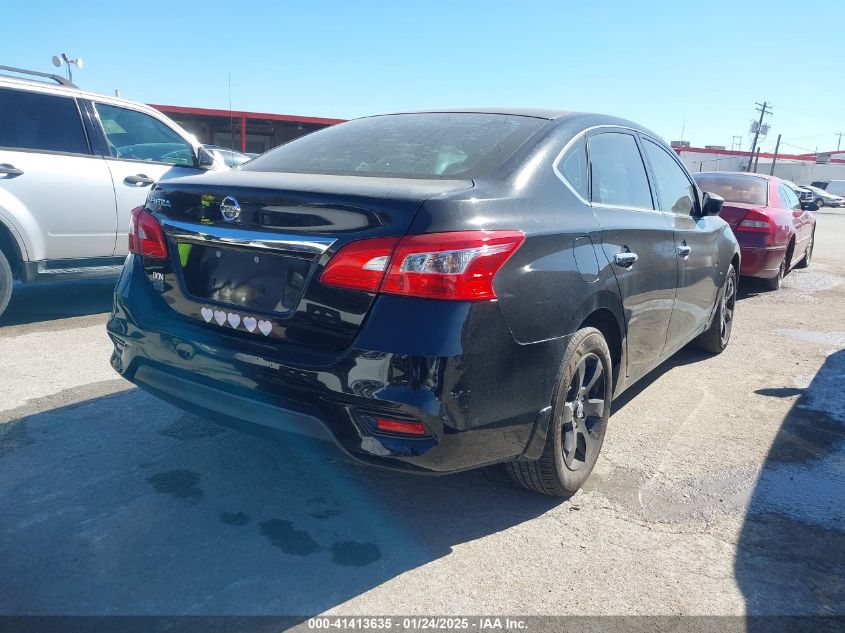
(809, 206)
(205, 159)
(711, 204)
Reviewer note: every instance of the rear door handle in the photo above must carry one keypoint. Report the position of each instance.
(684, 250)
(6, 168)
(625, 260)
(139, 180)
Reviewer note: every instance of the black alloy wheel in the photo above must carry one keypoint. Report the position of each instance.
(716, 337)
(582, 413)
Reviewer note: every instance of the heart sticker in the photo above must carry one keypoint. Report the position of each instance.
(265, 327)
(220, 317)
(250, 323)
(207, 314)
(234, 319)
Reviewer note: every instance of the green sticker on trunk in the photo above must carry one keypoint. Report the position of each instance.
(184, 251)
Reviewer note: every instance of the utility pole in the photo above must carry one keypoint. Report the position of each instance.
(763, 109)
(839, 142)
(775, 158)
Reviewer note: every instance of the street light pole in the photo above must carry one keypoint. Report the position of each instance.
(775, 158)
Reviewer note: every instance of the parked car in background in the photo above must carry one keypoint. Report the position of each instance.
(432, 291)
(804, 194)
(776, 231)
(73, 165)
(824, 198)
(227, 156)
(834, 187)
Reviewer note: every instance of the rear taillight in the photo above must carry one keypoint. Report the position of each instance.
(360, 265)
(146, 237)
(458, 266)
(756, 222)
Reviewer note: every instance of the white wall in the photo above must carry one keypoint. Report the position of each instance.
(800, 172)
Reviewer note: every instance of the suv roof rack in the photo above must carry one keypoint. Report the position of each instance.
(57, 78)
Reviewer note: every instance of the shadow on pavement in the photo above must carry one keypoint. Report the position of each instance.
(686, 356)
(31, 303)
(750, 287)
(125, 505)
(791, 551)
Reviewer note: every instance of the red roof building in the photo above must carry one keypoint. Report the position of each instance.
(254, 132)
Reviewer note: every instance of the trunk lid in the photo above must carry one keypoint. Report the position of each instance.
(247, 248)
(734, 212)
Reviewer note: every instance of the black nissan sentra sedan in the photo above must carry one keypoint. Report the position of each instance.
(432, 291)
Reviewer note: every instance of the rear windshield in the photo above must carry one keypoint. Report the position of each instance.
(734, 187)
(429, 145)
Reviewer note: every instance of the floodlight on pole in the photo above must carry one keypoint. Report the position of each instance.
(58, 60)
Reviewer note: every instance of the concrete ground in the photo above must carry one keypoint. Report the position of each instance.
(720, 489)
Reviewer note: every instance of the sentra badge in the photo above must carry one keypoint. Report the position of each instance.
(161, 202)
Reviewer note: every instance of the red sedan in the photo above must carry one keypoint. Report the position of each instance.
(775, 232)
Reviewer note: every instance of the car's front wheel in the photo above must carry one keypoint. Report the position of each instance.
(716, 338)
(579, 419)
(819, 202)
(6, 281)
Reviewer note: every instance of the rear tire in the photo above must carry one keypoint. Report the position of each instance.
(775, 282)
(716, 338)
(6, 281)
(808, 254)
(579, 419)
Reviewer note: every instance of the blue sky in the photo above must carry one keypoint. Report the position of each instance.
(671, 66)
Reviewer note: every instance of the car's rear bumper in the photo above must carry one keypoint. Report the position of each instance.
(763, 262)
(479, 393)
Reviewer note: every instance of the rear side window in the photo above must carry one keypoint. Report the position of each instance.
(572, 166)
(788, 197)
(735, 187)
(30, 120)
(675, 192)
(424, 145)
(138, 136)
(618, 176)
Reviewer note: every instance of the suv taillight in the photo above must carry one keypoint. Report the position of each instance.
(458, 266)
(146, 237)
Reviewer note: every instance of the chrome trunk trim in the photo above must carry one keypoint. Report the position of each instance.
(309, 247)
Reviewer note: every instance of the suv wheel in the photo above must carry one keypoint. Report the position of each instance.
(6, 280)
(579, 420)
(716, 338)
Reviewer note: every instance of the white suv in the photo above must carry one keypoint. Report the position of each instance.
(73, 165)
